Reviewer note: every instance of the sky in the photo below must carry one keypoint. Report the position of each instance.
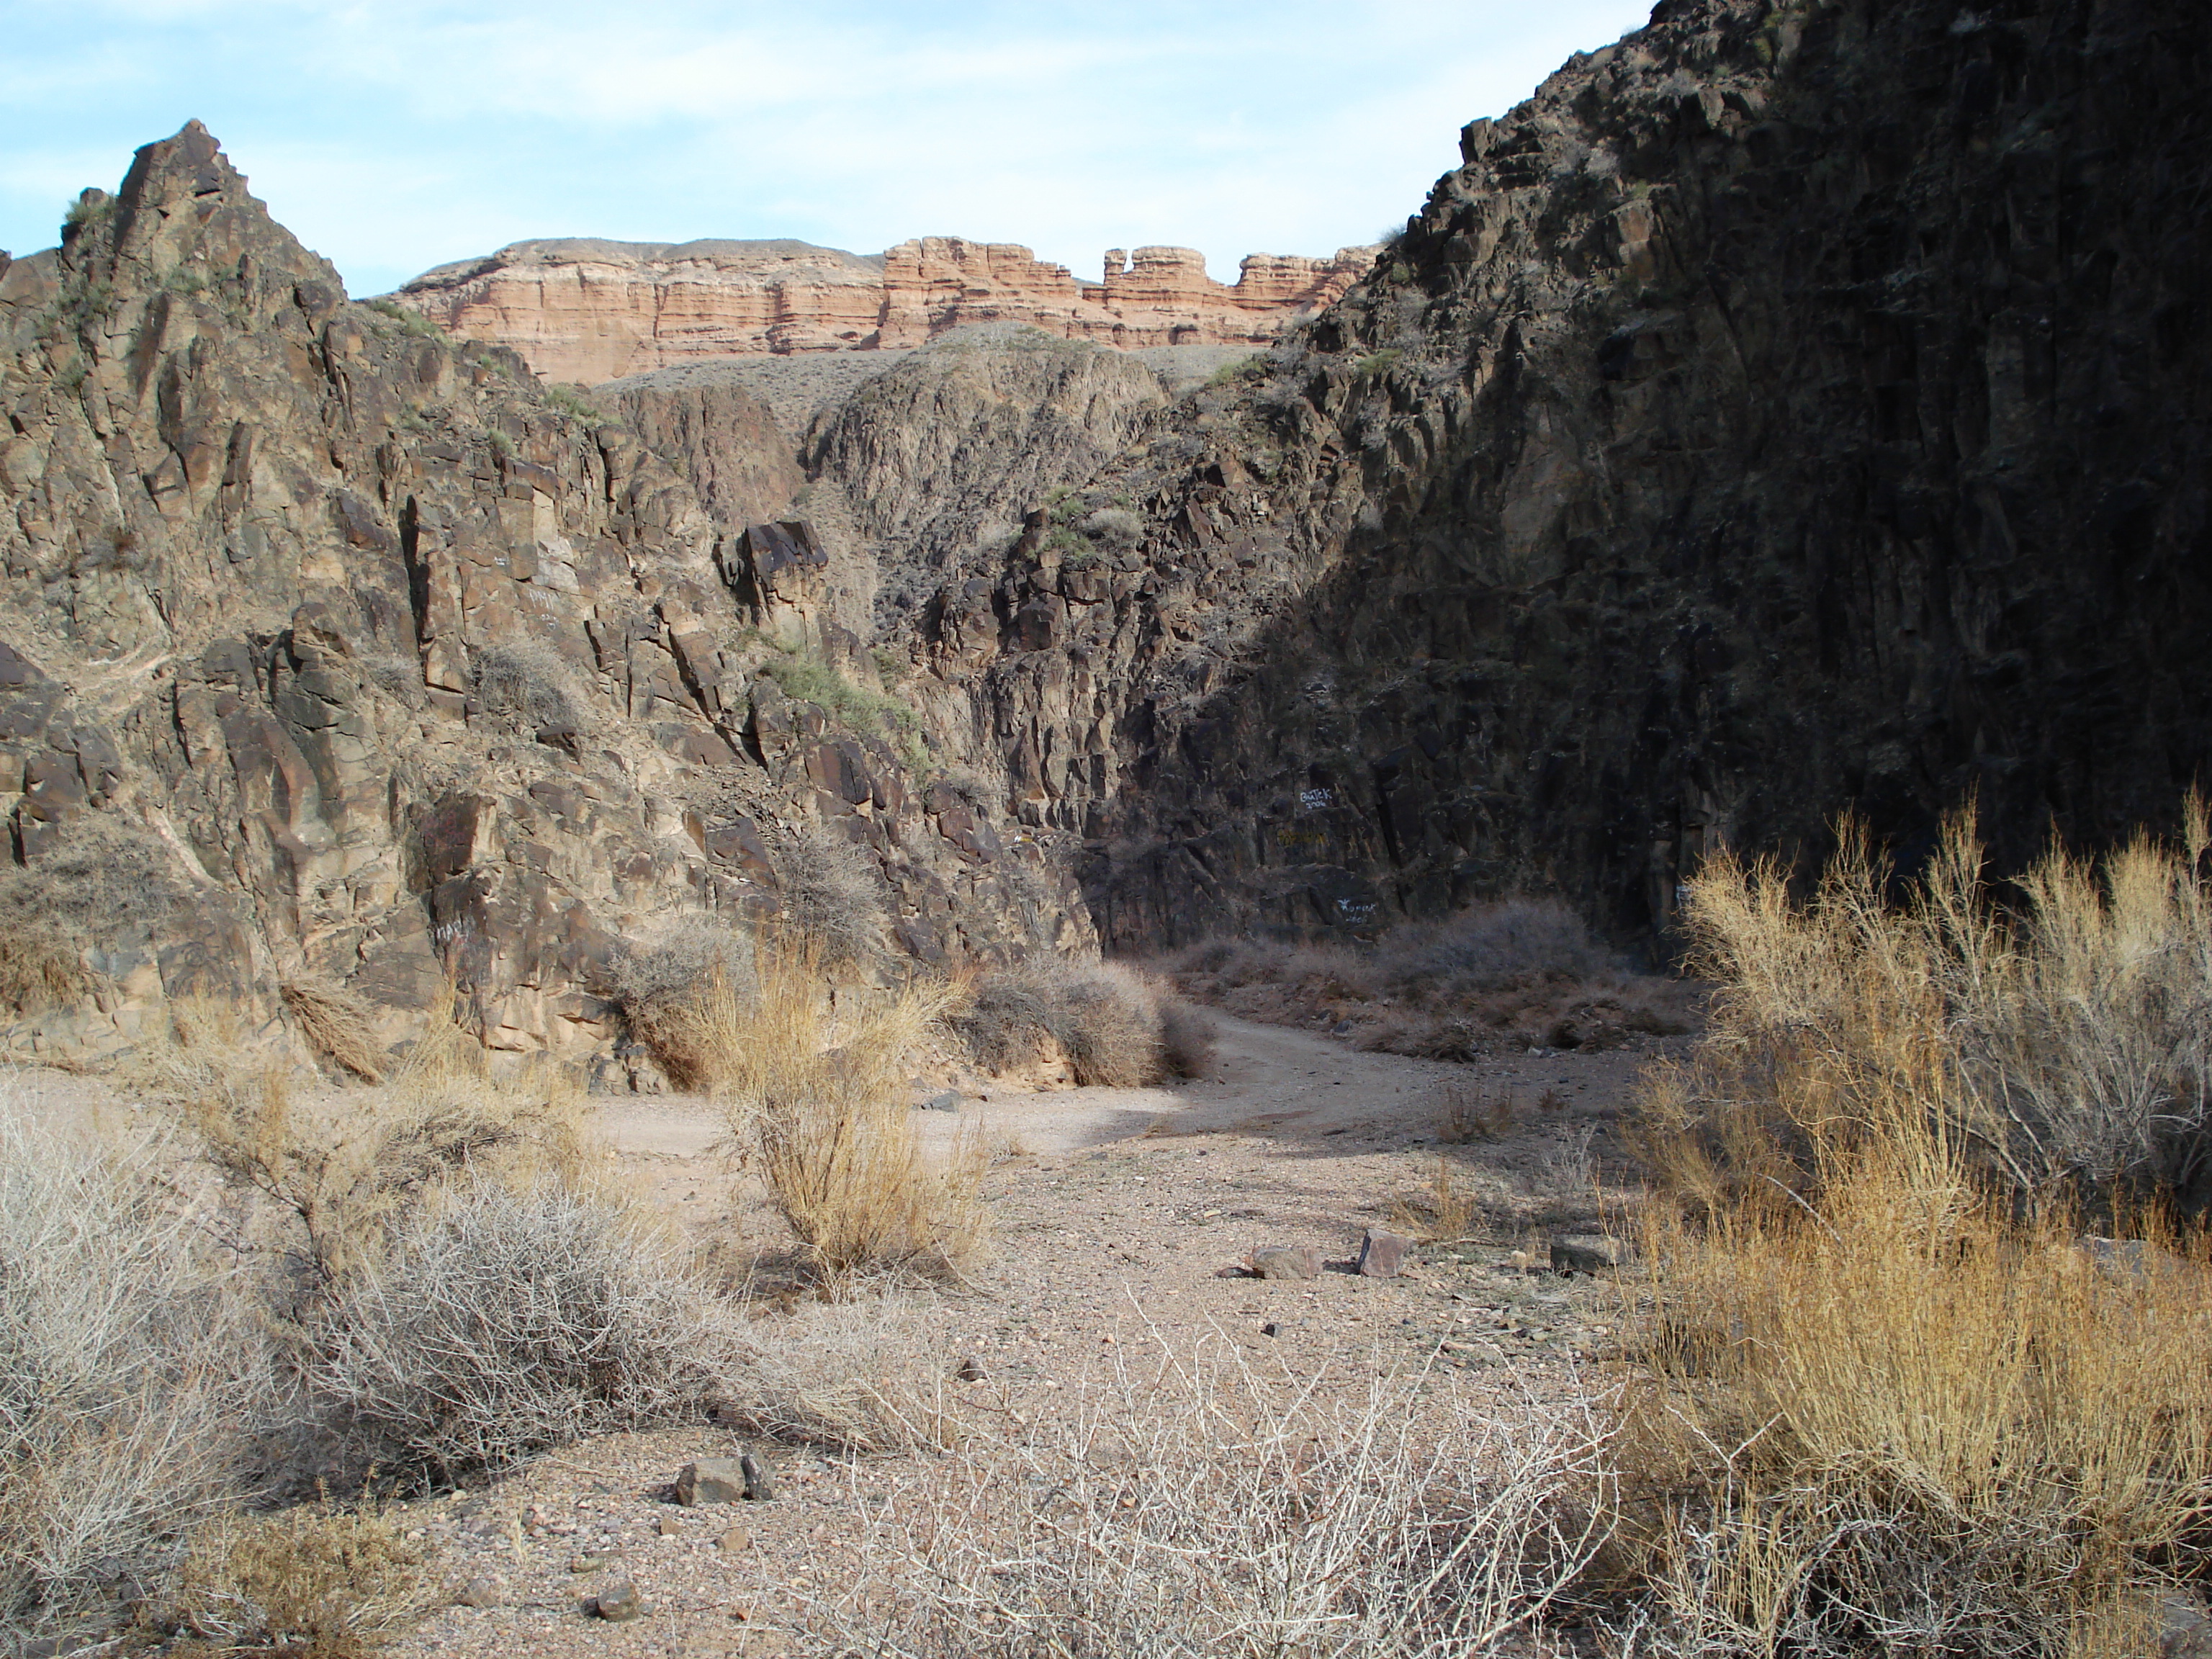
(394, 136)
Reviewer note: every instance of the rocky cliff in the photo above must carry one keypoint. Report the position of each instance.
(1796, 407)
(334, 653)
(588, 311)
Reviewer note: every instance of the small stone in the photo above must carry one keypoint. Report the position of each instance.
(711, 1480)
(737, 1539)
(669, 1528)
(759, 1478)
(970, 1370)
(1271, 1328)
(946, 1100)
(618, 1601)
(1381, 1254)
(1588, 1253)
(479, 1592)
(1284, 1262)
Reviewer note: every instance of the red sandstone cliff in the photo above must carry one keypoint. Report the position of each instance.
(590, 311)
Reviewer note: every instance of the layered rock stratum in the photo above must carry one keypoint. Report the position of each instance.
(583, 310)
(1792, 410)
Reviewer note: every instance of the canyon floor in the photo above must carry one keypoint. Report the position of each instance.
(1119, 1219)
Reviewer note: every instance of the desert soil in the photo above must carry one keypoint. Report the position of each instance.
(1117, 1213)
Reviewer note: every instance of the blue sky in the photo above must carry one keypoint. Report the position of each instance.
(394, 136)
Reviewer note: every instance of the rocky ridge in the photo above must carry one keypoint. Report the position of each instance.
(383, 669)
(588, 311)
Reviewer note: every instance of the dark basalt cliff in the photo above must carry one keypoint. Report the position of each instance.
(1793, 408)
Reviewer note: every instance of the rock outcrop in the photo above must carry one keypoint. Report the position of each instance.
(588, 311)
(1795, 408)
(331, 651)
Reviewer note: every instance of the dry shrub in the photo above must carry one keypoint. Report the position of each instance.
(833, 894)
(1108, 1021)
(679, 992)
(2067, 1042)
(337, 1024)
(526, 682)
(498, 1321)
(316, 1582)
(1897, 1405)
(1201, 1512)
(814, 1084)
(344, 1169)
(95, 879)
(1187, 1037)
(1910, 1422)
(1513, 973)
(127, 1358)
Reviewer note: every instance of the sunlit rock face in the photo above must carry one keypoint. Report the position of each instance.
(587, 310)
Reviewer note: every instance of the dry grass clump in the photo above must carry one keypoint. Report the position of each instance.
(1205, 1512)
(337, 1024)
(813, 1079)
(665, 988)
(1513, 973)
(497, 1321)
(127, 1358)
(317, 1582)
(526, 682)
(2066, 1041)
(1114, 1026)
(1898, 1404)
(1910, 1421)
(96, 878)
(345, 1169)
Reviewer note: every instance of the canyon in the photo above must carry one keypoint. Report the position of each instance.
(1796, 408)
(586, 310)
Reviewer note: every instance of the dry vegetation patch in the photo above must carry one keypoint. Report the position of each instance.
(1515, 973)
(1198, 1508)
(1114, 1026)
(1896, 1402)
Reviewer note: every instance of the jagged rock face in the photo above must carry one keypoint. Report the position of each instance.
(404, 672)
(944, 455)
(590, 311)
(726, 442)
(1793, 409)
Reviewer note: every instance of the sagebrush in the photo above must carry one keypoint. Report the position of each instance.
(128, 1360)
(1202, 1509)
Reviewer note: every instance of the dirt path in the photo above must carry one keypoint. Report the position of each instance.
(1117, 1215)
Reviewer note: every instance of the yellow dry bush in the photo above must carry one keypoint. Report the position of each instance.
(813, 1081)
(2066, 1040)
(344, 1167)
(337, 1024)
(1897, 1400)
(1901, 1419)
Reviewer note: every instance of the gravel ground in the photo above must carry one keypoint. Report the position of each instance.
(1116, 1213)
